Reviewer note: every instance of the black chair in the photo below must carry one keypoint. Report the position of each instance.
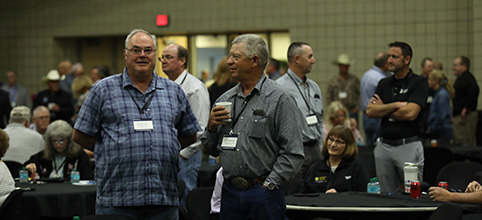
(459, 174)
(8, 210)
(435, 159)
(106, 217)
(367, 158)
(198, 203)
(14, 167)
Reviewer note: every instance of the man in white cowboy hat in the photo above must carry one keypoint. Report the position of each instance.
(59, 102)
(345, 87)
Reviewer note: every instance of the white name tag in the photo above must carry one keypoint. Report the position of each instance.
(143, 125)
(229, 143)
(311, 119)
(342, 95)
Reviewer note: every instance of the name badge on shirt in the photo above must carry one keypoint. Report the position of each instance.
(342, 95)
(229, 142)
(311, 119)
(143, 125)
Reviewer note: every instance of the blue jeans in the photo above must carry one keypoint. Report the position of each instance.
(152, 212)
(254, 203)
(188, 173)
(371, 127)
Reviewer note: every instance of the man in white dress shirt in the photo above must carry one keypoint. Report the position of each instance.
(174, 63)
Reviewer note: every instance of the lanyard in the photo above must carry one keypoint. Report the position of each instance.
(183, 79)
(302, 96)
(55, 165)
(244, 107)
(146, 104)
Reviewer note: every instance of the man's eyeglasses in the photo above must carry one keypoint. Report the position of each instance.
(167, 57)
(58, 141)
(137, 51)
(338, 142)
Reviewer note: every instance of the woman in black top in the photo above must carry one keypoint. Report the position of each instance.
(61, 155)
(339, 171)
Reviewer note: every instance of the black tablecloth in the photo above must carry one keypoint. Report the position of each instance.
(57, 200)
(362, 199)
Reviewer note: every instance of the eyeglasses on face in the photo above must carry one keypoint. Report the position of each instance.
(137, 51)
(58, 141)
(167, 57)
(338, 142)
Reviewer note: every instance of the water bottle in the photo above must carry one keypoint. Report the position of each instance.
(23, 175)
(373, 186)
(75, 176)
(212, 160)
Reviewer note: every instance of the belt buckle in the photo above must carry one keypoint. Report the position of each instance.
(239, 183)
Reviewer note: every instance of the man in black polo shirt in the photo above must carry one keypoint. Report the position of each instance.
(399, 100)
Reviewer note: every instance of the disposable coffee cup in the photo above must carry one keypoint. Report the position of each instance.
(227, 106)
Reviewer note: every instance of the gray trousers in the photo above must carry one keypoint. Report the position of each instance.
(389, 162)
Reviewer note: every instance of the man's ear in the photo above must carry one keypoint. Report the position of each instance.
(407, 59)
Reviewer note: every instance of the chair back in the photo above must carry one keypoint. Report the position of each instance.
(8, 210)
(368, 160)
(435, 159)
(198, 203)
(14, 167)
(459, 174)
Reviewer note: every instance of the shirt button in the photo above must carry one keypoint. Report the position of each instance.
(241, 117)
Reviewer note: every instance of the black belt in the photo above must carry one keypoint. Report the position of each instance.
(310, 143)
(241, 183)
(402, 141)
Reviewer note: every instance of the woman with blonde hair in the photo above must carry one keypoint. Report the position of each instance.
(337, 114)
(440, 115)
(329, 175)
(223, 81)
(60, 156)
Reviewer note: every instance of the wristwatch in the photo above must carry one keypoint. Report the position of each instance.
(270, 185)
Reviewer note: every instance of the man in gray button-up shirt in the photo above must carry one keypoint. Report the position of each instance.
(261, 147)
(308, 97)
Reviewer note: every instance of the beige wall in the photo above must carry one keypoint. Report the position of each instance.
(36, 35)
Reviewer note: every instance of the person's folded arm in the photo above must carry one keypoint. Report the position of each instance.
(408, 112)
(376, 108)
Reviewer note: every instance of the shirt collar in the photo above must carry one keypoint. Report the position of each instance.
(257, 88)
(295, 77)
(181, 77)
(126, 81)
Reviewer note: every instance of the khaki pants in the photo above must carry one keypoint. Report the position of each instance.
(464, 129)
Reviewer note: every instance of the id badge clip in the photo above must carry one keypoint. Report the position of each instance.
(143, 125)
(311, 119)
(229, 141)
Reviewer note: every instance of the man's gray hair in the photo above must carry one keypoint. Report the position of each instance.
(19, 114)
(136, 31)
(254, 44)
(38, 109)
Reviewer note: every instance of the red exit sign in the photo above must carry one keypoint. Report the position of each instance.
(162, 20)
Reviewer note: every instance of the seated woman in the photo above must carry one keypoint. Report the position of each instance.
(339, 171)
(440, 116)
(7, 184)
(60, 156)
